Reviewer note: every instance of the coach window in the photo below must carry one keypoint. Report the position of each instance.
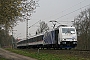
(28, 40)
(39, 38)
(21, 42)
(35, 39)
(32, 40)
(25, 41)
(42, 37)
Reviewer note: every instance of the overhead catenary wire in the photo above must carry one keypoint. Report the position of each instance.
(64, 15)
(65, 9)
(34, 23)
(71, 12)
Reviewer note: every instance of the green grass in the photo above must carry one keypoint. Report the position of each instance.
(1, 58)
(46, 56)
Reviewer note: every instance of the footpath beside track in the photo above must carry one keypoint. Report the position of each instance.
(13, 56)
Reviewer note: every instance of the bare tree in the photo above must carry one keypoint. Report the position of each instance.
(43, 27)
(28, 8)
(82, 24)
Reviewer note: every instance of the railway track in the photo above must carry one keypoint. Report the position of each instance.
(74, 52)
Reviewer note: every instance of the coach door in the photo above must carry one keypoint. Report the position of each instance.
(56, 35)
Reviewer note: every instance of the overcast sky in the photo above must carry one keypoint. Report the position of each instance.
(63, 11)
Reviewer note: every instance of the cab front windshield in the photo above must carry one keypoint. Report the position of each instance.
(68, 30)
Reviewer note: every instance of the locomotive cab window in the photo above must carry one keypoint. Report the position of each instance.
(68, 30)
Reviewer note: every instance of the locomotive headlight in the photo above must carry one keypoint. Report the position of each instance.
(63, 39)
(73, 38)
(74, 42)
(64, 42)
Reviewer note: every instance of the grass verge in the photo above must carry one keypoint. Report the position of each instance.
(1, 58)
(46, 56)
